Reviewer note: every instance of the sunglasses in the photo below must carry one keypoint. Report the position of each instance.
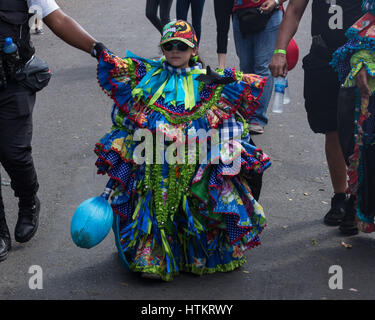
(179, 45)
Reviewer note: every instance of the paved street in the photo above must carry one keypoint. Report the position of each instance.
(72, 113)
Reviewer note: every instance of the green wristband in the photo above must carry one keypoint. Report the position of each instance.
(280, 51)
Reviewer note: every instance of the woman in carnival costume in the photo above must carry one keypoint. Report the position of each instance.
(355, 63)
(180, 216)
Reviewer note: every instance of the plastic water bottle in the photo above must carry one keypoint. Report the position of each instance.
(286, 94)
(10, 47)
(12, 57)
(278, 101)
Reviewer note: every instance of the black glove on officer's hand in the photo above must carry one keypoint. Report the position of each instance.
(97, 49)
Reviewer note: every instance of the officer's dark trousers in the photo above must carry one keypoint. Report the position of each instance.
(16, 107)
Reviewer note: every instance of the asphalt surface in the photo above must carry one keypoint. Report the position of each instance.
(72, 113)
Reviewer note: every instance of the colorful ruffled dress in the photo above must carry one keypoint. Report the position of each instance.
(359, 52)
(183, 216)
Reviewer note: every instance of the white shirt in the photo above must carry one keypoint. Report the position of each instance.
(47, 6)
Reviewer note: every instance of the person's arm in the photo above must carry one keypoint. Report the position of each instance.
(70, 31)
(287, 30)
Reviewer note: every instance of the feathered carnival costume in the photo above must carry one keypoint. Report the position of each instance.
(174, 216)
(356, 117)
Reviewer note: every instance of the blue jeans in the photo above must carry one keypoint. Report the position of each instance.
(255, 53)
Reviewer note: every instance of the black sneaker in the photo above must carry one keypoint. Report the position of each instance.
(348, 226)
(28, 220)
(336, 214)
(5, 242)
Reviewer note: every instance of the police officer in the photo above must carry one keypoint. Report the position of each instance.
(16, 108)
(321, 87)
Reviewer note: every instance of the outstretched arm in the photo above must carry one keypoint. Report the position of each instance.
(287, 30)
(69, 30)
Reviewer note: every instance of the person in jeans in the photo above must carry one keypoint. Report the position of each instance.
(152, 10)
(255, 51)
(223, 12)
(182, 9)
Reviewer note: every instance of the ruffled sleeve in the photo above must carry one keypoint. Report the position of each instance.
(362, 59)
(244, 93)
(361, 38)
(252, 93)
(117, 77)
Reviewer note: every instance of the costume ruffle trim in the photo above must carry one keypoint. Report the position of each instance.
(365, 227)
(187, 268)
(341, 58)
(360, 38)
(118, 166)
(356, 172)
(119, 77)
(231, 200)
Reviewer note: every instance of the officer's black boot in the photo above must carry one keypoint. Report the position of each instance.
(5, 242)
(28, 219)
(337, 212)
(348, 226)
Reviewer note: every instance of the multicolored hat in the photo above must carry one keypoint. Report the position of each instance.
(179, 30)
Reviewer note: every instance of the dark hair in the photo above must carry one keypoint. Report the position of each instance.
(193, 63)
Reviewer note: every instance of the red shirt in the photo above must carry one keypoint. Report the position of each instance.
(239, 4)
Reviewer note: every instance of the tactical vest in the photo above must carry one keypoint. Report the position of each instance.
(14, 23)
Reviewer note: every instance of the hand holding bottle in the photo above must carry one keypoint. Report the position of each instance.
(278, 103)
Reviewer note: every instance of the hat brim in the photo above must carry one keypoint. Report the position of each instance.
(189, 43)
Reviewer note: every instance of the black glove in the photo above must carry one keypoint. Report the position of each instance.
(213, 77)
(97, 49)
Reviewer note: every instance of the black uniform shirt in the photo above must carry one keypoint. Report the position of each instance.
(334, 38)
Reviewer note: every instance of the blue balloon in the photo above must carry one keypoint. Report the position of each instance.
(91, 222)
